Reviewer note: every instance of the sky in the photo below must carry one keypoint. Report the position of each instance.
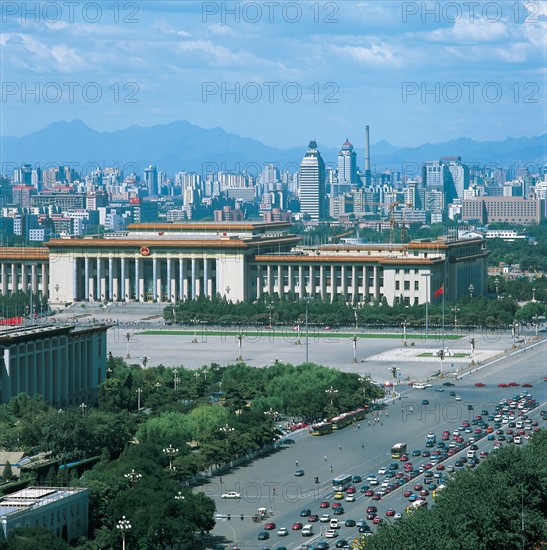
(282, 72)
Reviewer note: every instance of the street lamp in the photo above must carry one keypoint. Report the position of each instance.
(533, 294)
(139, 392)
(405, 325)
(270, 308)
(180, 497)
(239, 339)
(307, 301)
(535, 318)
(332, 392)
(83, 407)
(473, 342)
(195, 339)
(271, 414)
(514, 328)
(497, 283)
(176, 379)
(298, 341)
(170, 452)
(133, 477)
(427, 278)
(144, 361)
(127, 339)
(226, 430)
(354, 340)
(455, 310)
(471, 288)
(123, 525)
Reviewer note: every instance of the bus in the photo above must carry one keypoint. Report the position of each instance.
(398, 450)
(416, 505)
(341, 483)
(341, 421)
(321, 428)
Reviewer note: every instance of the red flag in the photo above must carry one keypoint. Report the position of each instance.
(439, 292)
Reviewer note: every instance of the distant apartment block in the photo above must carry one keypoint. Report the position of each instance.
(229, 214)
(516, 210)
(61, 510)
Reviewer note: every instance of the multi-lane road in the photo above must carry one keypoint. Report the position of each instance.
(270, 483)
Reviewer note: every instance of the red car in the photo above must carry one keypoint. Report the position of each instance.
(502, 386)
(390, 513)
(479, 385)
(418, 487)
(513, 384)
(324, 504)
(297, 525)
(368, 493)
(526, 385)
(313, 517)
(269, 526)
(440, 467)
(336, 505)
(404, 458)
(424, 493)
(350, 490)
(371, 509)
(377, 520)
(407, 493)
(376, 496)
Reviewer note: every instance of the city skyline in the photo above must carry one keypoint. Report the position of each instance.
(285, 75)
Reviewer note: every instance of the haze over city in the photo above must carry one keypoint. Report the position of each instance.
(283, 73)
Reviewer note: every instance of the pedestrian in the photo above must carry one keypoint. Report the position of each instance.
(359, 426)
(411, 409)
(363, 445)
(339, 447)
(387, 414)
(273, 491)
(296, 462)
(325, 457)
(369, 423)
(331, 469)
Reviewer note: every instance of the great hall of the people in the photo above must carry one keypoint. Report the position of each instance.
(241, 261)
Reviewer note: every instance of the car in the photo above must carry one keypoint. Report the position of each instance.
(313, 518)
(350, 498)
(296, 526)
(263, 535)
(269, 526)
(324, 504)
(324, 518)
(282, 532)
(351, 490)
(425, 402)
(376, 496)
(390, 512)
(356, 479)
(513, 384)
(439, 467)
(479, 385)
(364, 529)
(336, 505)
(439, 389)
(331, 534)
(502, 385)
(231, 494)
(361, 523)
(323, 545)
(350, 523)
(299, 473)
(416, 452)
(526, 385)
(338, 495)
(407, 493)
(382, 471)
(426, 454)
(452, 394)
(341, 543)
(364, 488)
(338, 511)
(287, 441)
(377, 520)
(369, 492)
(458, 398)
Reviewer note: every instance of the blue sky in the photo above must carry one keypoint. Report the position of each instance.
(281, 72)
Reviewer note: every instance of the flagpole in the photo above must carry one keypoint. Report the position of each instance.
(442, 353)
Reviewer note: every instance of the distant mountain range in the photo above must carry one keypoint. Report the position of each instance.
(179, 146)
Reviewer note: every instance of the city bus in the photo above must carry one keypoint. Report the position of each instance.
(341, 421)
(398, 450)
(341, 483)
(416, 505)
(321, 428)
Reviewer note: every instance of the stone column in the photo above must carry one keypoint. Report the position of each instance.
(111, 278)
(86, 280)
(123, 288)
(194, 294)
(74, 279)
(4, 279)
(99, 276)
(205, 290)
(154, 279)
(182, 294)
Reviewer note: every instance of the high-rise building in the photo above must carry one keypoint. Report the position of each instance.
(312, 183)
(151, 180)
(347, 164)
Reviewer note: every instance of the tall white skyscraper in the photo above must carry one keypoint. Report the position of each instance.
(151, 180)
(347, 165)
(312, 183)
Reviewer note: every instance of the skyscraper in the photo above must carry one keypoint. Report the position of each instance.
(151, 180)
(347, 165)
(312, 183)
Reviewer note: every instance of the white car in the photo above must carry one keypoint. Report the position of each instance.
(231, 494)
(350, 498)
(331, 533)
(324, 518)
(382, 471)
(283, 532)
(458, 398)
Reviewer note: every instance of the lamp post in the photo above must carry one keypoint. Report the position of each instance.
(473, 342)
(427, 278)
(239, 339)
(533, 294)
(354, 340)
(139, 392)
(57, 288)
(83, 407)
(307, 300)
(455, 310)
(133, 477)
(471, 288)
(123, 525)
(227, 430)
(332, 392)
(176, 379)
(270, 308)
(272, 415)
(170, 452)
(144, 361)
(180, 497)
(514, 332)
(535, 318)
(298, 341)
(497, 284)
(404, 324)
(127, 340)
(394, 381)
(195, 339)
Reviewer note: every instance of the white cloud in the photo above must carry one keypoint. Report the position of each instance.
(375, 54)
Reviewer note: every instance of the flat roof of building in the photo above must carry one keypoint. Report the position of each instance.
(33, 497)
